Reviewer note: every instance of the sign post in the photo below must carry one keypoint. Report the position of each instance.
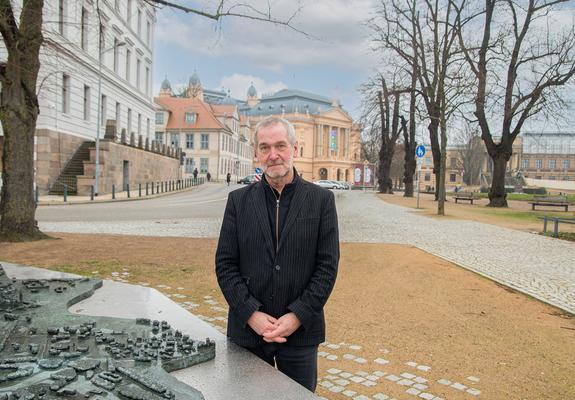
(419, 153)
(365, 172)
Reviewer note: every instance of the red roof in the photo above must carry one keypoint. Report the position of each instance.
(179, 106)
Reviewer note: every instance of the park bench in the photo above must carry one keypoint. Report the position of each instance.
(467, 196)
(555, 221)
(550, 201)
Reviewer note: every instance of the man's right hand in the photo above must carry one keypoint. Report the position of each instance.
(261, 322)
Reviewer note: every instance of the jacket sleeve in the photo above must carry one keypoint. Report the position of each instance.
(322, 281)
(241, 302)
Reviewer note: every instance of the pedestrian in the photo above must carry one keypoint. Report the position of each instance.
(195, 174)
(228, 178)
(208, 176)
(277, 258)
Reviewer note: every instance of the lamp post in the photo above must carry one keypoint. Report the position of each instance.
(98, 123)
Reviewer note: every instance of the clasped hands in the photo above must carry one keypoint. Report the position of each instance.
(271, 329)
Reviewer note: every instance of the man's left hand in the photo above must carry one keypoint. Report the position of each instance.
(284, 326)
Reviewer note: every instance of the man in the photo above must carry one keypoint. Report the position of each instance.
(277, 258)
(228, 178)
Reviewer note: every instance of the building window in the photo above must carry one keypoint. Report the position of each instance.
(301, 151)
(538, 164)
(159, 137)
(566, 164)
(203, 165)
(118, 117)
(147, 127)
(147, 89)
(148, 32)
(116, 55)
(84, 29)
(65, 93)
(129, 129)
(205, 142)
(102, 42)
(86, 102)
(428, 161)
(453, 163)
(525, 164)
(566, 178)
(117, 5)
(159, 118)
(175, 139)
(139, 124)
(61, 16)
(551, 178)
(128, 59)
(189, 165)
(139, 23)
(189, 141)
(190, 118)
(103, 107)
(427, 177)
(552, 164)
(138, 68)
(452, 177)
(129, 14)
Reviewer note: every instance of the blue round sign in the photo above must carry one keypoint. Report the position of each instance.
(420, 151)
(258, 170)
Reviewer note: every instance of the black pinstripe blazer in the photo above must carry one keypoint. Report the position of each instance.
(299, 278)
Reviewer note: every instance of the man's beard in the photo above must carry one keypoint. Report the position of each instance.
(277, 174)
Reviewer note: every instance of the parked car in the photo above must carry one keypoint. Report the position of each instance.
(345, 185)
(249, 179)
(328, 184)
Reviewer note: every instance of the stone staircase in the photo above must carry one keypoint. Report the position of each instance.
(73, 168)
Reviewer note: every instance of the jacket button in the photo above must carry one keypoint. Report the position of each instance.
(277, 267)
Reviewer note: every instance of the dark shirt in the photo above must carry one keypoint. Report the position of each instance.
(272, 197)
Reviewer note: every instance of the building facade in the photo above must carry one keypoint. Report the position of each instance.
(548, 156)
(214, 138)
(96, 65)
(328, 138)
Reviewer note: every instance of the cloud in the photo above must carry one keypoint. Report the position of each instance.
(238, 85)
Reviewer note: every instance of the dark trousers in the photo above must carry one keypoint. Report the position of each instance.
(297, 362)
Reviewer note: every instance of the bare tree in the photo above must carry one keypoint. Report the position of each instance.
(470, 155)
(519, 67)
(19, 106)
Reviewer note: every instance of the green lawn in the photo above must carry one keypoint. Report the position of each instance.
(515, 196)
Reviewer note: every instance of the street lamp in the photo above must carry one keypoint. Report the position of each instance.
(98, 123)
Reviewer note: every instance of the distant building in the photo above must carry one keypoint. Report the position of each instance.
(79, 41)
(215, 138)
(548, 156)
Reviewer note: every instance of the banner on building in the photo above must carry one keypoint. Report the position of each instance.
(333, 140)
(364, 175)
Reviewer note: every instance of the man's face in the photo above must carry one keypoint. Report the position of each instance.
(274, 151)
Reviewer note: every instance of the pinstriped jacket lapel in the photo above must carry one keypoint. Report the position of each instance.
(296, 204)
(259, 202)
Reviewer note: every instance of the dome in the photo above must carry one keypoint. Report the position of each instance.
(252, 91)
(195, 80)
(166, 84)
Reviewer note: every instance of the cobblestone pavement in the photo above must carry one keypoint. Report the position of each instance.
(539, 266)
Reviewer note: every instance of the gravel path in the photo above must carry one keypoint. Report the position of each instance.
(539, 266)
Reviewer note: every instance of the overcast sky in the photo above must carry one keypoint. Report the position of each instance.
(333, 62)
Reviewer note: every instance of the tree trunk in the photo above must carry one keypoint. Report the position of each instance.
(409, 145)
(440, 189)
(384, 180)
(497, 194)
(433, 128)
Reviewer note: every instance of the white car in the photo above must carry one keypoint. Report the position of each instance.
(329, 184)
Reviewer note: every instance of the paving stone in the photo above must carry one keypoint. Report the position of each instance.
(346, 375)
(331, 377)
(381, 374)
(349, 357)
(420, 386)
(360, 360)
(381, 361)
(362, 373)
(427, 396)
(326, 384)
(336, 389)
(333, 346)
(333, 371)
(458, 386)
(423, 368)
(407, 375)
(349, 393)
(444, 382)
(380, 396)
(361, 397)
(474, 392)
(372, 377)
(419, 379)
(332, 357)
(392, 378)
(405, 382)
(368, 383)
(355, 347)
(342, 382)
(413, 391)
(411, 364)
(322, 353)
(357, 379)
(473, 379)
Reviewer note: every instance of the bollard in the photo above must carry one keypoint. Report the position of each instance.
(65, 193)
(157, 187)
(92, 193)
(113, 192)
(146, 188)
(36, 195)
(128, 189)
(139, 190)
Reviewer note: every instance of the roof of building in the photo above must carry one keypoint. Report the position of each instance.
(166, 84)
(223, 109)
(252, 92)
(178, 107)
(195, 80)
(289, 101)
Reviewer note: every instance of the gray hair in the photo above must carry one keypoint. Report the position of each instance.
(271, 121)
